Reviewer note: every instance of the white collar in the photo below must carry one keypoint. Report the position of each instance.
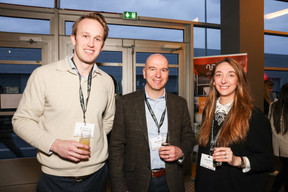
(223, 108)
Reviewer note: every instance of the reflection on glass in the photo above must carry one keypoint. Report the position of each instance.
(12, 146)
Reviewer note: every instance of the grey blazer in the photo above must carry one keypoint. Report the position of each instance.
(129, 155)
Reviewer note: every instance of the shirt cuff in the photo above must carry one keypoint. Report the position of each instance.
(248, 166)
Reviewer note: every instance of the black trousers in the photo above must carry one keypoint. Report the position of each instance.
(95, 183)
(282, 176)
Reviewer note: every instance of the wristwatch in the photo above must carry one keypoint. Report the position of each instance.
(181, 159)
(243, 166)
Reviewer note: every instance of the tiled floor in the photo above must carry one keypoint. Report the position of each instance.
(189, 184)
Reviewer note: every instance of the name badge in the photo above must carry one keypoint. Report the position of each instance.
(207, 162)
(80, 126)
(156, 142)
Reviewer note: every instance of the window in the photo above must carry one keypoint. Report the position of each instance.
(13, 78)
(39, 3)
(275, 58)
(114, 58)
(180, 10)
(17, 25)
(133, 32)
(206, 42)
(275, 15)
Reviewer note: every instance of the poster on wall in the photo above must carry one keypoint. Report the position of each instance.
(203, 67)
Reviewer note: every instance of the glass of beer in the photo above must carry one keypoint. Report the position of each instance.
(218, 144)
(85, 137)
(164, 138)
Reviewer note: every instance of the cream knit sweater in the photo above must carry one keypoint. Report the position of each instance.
(50, 108)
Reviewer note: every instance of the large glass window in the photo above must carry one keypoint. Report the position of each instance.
(276, 56)
(20, 54)
(16, 75)
(38, 3)
(206, 42)
(133, 32)
(276, 49)
(19, 25)
(180, 10)
(114, 58)
(276, 45)
(279, 78)
(275, 15)
(13, 79)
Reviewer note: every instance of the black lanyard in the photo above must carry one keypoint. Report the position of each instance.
(212, 140)
(83, 106)
(153, 115)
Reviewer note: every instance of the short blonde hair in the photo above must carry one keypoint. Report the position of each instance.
(98, 17)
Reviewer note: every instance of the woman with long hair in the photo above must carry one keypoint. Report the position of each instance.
(268, 86)
(235, 141)
(279, 122)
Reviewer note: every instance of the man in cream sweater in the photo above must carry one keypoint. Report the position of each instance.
(62, 99)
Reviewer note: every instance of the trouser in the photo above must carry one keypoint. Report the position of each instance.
(158, 184)
(95, 182)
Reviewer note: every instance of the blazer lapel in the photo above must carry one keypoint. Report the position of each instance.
(139, 103)
(170, 110)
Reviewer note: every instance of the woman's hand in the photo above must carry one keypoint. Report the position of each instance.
(225, 154)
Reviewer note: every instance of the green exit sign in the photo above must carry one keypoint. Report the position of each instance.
(130, 15)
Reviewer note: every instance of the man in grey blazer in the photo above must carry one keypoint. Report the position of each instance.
(144, 121)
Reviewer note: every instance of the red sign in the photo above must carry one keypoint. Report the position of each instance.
(203, 66)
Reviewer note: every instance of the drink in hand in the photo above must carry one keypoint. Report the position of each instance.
(85, 141)
(85, 137)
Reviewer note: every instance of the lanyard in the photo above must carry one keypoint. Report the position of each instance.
(212, 139)
(153, 115)
(83, 106)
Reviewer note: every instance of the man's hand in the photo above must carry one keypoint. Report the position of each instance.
(170, 153)
(69, 149)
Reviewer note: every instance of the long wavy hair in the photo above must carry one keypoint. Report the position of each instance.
(236, 124)
(280, 111)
